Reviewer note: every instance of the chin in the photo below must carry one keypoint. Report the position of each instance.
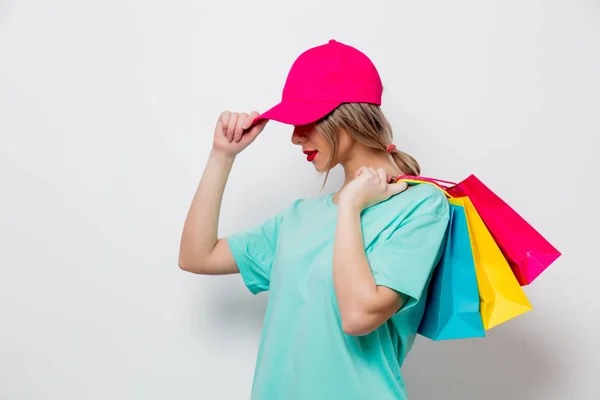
(321, 165)
(319, 168)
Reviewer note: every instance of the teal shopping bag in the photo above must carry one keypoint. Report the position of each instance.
(452, 307)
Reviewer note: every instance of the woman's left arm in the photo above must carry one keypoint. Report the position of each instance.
(363, 305)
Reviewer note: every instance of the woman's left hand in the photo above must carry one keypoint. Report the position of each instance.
(370, 187)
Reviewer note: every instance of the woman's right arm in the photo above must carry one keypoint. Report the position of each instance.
(201, 251)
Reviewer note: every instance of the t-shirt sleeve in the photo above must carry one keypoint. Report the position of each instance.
(254, 250)
(406, 259)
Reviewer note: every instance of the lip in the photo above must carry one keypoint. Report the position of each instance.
(310, 154)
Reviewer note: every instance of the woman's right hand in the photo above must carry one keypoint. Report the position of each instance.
(232, 134)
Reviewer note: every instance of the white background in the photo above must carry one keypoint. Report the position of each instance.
(107, 109)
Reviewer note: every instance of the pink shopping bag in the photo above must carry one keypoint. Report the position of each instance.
(527, 251)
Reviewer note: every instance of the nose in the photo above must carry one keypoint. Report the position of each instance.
(297, 136)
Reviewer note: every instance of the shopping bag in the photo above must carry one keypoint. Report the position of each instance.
(502, 297)
(527, 251)
(500, 293)
(452, 307)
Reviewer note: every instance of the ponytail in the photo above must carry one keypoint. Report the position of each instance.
(406, 163)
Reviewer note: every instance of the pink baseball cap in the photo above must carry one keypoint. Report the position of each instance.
(321, 79)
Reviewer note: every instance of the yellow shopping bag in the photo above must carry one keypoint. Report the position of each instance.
(500, 294)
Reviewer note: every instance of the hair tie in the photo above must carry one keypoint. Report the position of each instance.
(390, 148)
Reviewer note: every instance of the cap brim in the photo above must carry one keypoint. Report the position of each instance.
(298, 112)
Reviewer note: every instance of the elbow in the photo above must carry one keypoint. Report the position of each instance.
(356, 324)
(184, 266)
(190, 266)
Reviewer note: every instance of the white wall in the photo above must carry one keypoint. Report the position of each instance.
(106, 114)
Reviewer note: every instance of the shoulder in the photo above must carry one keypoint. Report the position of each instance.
(419, 200)
(426, 199)
(419, 205)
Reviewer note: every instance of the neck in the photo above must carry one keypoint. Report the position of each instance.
(368, 158)
(365, 157)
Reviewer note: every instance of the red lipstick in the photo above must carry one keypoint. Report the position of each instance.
(310, 154)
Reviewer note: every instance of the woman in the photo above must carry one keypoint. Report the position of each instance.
(347, 272)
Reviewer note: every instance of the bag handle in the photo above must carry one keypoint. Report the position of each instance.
(439, 182)
(431, 181)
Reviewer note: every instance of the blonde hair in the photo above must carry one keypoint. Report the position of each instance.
(366, 124)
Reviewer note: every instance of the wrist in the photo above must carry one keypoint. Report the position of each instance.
(350, 205)
(222, 155)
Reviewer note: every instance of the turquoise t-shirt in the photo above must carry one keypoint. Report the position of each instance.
(304, 353)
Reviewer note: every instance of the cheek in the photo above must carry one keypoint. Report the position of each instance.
(324, 149)
(324, 152)
(323, 159)
(321, 143)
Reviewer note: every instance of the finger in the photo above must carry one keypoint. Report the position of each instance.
(383, 176)
(251, 117)
(253, 128)
(244, 121)
(256, 129)
(362, 171)
(239, 128)
(224, 121)
(373, 173)
(233, 119)
(396, 188)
